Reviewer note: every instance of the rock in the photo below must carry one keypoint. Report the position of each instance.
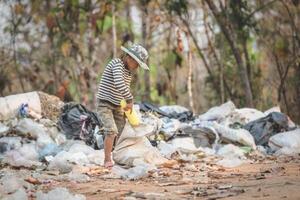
(59, 194)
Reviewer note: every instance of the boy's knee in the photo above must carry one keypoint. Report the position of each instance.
(111, 135)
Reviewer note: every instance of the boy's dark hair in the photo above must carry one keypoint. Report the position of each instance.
(123, 56)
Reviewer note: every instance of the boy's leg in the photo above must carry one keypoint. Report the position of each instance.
(110, 129)
(108, 146)
(119, 118)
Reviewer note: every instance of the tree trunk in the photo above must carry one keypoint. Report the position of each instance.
(190, 84)
(204, 60)
(229, 35)
(145, 42)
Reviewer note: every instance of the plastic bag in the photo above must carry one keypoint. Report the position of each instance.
(132, 146)
(29, 127)
(264, 128)
(10, 104)
(3, 129)
(15, 158)
(290, 139)
(218, 112)
(242, 116)
(11, 143)
(240, 136)
(232, 156)
(76, 122)
(134, 173)
(166, 149)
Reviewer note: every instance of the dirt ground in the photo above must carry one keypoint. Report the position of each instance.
(271, 178)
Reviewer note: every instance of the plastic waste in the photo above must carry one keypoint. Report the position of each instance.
(81, 148)
(175, 112)
(232, 155)
(23, 110)
(185, 145)
(166, 149)
(264, 128)
(60, 162)
(290, 139)
(218, 112)
(29, 152)
(231, 150)
(231, 162)
(129, 148)
(240, 136)
(287, 151)
(131, 115)
(10, 104)
(43, 140)
(201, 138)
(173, 109)
(60, 139)
(16, 159)
(99, 138)
(49, 150)
(58, 194)
(242, 116)
(77, 122)
(12, 142)
(170, 127)
(29, 127)
(134, 173)
(3, 129)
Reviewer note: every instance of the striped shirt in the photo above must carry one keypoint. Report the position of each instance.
(115, 82)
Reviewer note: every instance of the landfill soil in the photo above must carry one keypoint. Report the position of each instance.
(271, 178)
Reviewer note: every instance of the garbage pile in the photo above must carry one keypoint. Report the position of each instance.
(41, 133)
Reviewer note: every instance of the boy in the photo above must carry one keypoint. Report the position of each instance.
(115, 86)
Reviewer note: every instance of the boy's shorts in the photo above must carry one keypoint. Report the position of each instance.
(112, 117)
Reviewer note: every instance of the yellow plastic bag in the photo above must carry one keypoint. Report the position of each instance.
(131, 116)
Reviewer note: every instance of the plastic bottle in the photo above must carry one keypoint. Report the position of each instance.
(131, 116)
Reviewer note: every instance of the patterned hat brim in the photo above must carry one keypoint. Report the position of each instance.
(140, 62)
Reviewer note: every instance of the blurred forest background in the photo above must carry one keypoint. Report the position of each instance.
(202, 52)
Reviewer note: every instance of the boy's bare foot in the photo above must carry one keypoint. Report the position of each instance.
(108, 164)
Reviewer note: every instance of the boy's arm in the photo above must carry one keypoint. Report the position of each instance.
(120, 83)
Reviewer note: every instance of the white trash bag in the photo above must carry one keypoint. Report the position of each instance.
(133, 145)
(10, 104)
(289, 139)
(218, 112)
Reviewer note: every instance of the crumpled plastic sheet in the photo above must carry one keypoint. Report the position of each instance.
(11, 143)
(77, 154)
(232, 156)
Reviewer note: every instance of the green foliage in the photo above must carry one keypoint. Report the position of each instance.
(169, 61)
(178, 7)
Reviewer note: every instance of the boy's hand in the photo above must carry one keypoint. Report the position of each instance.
(129, 107)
